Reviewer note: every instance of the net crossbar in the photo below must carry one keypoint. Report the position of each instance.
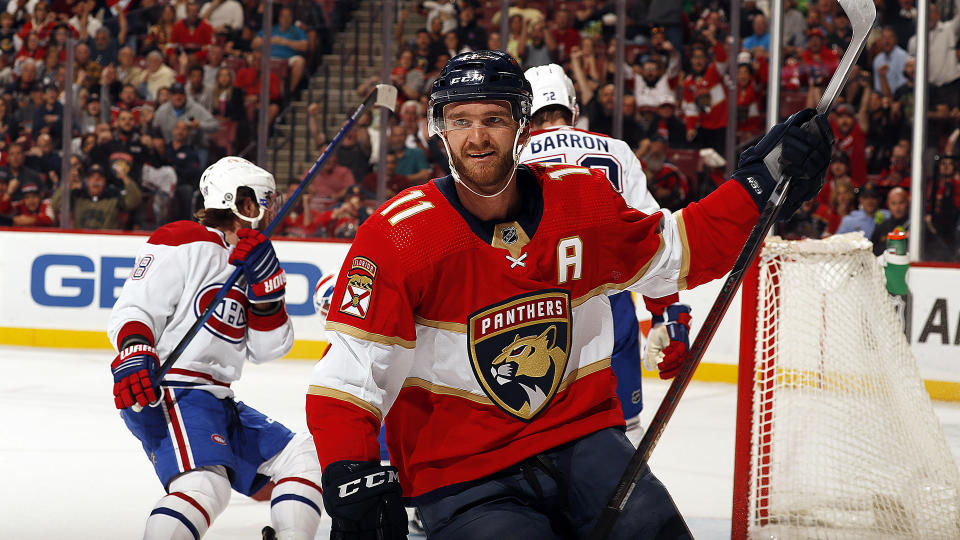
(845, 442)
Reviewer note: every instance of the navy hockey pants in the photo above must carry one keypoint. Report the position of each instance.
(556, 495)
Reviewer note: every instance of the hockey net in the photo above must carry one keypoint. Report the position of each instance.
(843, 441)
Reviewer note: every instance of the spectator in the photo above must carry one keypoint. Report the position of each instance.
(850, 131)
(44, 159)
(192, 34)
(760, 37)
(897, 173)
(158, 36)
(541, 47)
(395, 183)
(651, 82)
(8, 35)
(354, 155)
(124, 153)
(184, 158)
(41, 22)
(32, 210)
(804, 223)
(435, 31)
(705, 99)
(212, 64)
(248, 79)
(662, 122)
(228, 104)
(530, 15)
(158, 75)
(127, 101)
(331, 182)
(839, 39)
(198, 120)
(451, 41)
(564, 35)
(443, 10)
(469, 32)
(903, 99)
(411, 162)
(865, 218)
(196, 89)
(288, 43)
(128, 72)
(666, 183)
(312, 20)
(838, 171)
(302, 221)
(6, 200)
(407, 77)
(9, 128)
(103, 48)
(898, 203)
(17, 174)
(842, 203)
(795, 26)
(819, 60)
(95, 204)
(943, 72)
(32, 49)
(902, 18)
(343, 221)
(225, 16)
(941, 212)
(48, 118)
(749, 117)
(893, 57)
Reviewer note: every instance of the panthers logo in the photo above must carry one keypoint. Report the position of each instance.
(519, 350)
(360, 278)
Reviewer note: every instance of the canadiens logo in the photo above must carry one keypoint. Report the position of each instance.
(356, 300)
(218, 438)
(519, 350)
(229, 319)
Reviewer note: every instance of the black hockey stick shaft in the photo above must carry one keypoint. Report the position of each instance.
(380, 95)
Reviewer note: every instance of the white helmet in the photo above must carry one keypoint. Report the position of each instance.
(551, 86)
(323, 296)
(220, 181)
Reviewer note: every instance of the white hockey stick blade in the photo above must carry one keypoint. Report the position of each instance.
(386, 96)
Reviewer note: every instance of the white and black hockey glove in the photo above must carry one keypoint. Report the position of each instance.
(363, 498)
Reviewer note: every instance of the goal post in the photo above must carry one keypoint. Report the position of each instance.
(835, 436)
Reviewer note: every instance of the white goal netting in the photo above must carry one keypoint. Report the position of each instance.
(846, 444)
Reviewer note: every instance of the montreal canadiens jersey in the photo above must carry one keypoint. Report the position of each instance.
(177, 273)
(486, 343)
(565, 144)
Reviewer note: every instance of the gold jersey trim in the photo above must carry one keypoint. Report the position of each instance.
(325, 391)
(520, 240)
(596, 291)
(459, 328)
(434, 388)
(370, 336)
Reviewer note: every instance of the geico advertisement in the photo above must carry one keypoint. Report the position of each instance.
(70, 281)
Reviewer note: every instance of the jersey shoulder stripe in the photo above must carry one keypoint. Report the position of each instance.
(179, 233)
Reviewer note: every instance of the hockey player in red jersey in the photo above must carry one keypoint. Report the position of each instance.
(472, 312)
(200, 440)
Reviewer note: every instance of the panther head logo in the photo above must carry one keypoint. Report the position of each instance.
(530, 361)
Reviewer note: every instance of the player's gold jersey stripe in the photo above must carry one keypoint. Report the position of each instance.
(685, 257)
(370, 336)
(596, 291)
(434, 388)
(324, 391)
(459, 328)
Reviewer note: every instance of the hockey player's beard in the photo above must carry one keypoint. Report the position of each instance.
(486, 177)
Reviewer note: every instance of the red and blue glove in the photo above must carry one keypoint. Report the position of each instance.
(135, 376)
(266, 281)
(668, 341)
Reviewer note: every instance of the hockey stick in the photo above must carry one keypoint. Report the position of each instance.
(862, 15)
(383, 95)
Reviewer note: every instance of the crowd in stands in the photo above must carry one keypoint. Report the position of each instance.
(159, 90)
(166, 87)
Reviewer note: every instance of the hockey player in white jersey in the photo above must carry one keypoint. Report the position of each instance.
(553, 139)
(200, 440)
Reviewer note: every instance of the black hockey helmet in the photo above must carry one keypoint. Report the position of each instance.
(479, 75)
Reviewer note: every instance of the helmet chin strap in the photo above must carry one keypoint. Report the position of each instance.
(253, 221)
(516, 157)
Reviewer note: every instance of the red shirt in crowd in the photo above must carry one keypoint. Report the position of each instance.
(854, 144)
(248, 78)
(192, 38)
(42, 216)
(705, 96)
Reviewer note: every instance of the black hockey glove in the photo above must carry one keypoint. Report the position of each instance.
(363, 498)
(807, 145)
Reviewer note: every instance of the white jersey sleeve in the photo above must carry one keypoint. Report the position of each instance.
(566, 144)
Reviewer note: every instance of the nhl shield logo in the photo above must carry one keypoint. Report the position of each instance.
(519, 349)
(356, 300)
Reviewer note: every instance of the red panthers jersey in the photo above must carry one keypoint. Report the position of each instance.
(485, 343)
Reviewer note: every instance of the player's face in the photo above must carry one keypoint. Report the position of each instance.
(481, 136)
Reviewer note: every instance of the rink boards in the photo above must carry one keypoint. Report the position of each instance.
(58, 288)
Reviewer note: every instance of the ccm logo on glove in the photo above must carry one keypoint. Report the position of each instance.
(370, 480)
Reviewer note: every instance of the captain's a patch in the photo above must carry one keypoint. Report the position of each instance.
(360, 277)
